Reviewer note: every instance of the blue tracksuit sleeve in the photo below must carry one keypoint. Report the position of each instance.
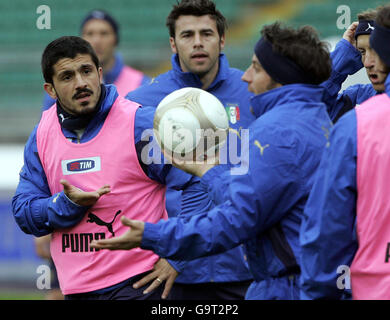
(328, 235)
(346, 60)
(194, 198)
(215, 182)
(35, 209)
(257, 200)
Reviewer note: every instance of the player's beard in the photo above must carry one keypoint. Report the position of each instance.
(85, 110)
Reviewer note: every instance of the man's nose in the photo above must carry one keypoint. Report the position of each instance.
(198, 40)
(80, 81)
(94, 39)
(245, 77)
(369, 60)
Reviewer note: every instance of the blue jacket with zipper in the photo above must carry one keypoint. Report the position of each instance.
(234, 95)
(262, 208)
(346, 60)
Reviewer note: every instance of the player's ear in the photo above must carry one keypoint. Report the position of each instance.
(173, 44)
(49, 88)
(222, 43)
(100, 71)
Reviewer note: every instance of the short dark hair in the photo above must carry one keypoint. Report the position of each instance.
(64, 47)
(196, 8)
(383, 17)
(302, 46)
(369, 14)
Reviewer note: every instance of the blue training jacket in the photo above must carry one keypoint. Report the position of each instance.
(346, 60)
(262, 208)
(37, 214)
(328, 232)
(234, 95)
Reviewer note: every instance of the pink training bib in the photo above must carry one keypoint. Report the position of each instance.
(128, 80)
(370, 269)
(109, 158)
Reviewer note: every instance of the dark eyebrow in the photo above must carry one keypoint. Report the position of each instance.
(186, 31)
(192, 31)
(86, 65)
(65, 73)
(207, 30)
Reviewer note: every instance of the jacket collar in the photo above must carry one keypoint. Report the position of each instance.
(285, 94)
(189, 79)
(387, 85)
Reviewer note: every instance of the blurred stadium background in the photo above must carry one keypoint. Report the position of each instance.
(144, 45)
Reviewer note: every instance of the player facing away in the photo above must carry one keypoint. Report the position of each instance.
(197, 38)
(262, 208)
(351, 54)
(82, 173)
(101, 30)
(346, 218)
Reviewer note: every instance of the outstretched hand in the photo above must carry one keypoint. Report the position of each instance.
(83, 198)
(129, 240)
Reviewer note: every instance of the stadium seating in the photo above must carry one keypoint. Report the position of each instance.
(142, 25)
(144, 41)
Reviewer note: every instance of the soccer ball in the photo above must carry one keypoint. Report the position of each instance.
(190, 124)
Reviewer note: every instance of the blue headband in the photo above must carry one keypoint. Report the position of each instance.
(280, 68)
(101, 15)
(379, 41)
(364, 27)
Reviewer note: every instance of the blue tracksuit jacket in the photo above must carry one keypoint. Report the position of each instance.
(346, 60)
(328, 232)
(233, 93)
(262, 208)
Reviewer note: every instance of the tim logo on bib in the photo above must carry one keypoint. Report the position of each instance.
(84, 165)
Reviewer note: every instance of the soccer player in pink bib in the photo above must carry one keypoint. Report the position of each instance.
(84, 169)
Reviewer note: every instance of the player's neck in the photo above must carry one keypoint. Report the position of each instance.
(208, 78)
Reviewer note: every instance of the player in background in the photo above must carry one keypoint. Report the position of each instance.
(197, 38)
(347, 215)
(83, 170)
(350, 55)
(42, 248)
(101, 30)
(262, 208)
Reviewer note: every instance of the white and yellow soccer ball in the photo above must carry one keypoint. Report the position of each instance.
(190, 124)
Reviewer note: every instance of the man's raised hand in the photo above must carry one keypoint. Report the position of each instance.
(83, 198)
